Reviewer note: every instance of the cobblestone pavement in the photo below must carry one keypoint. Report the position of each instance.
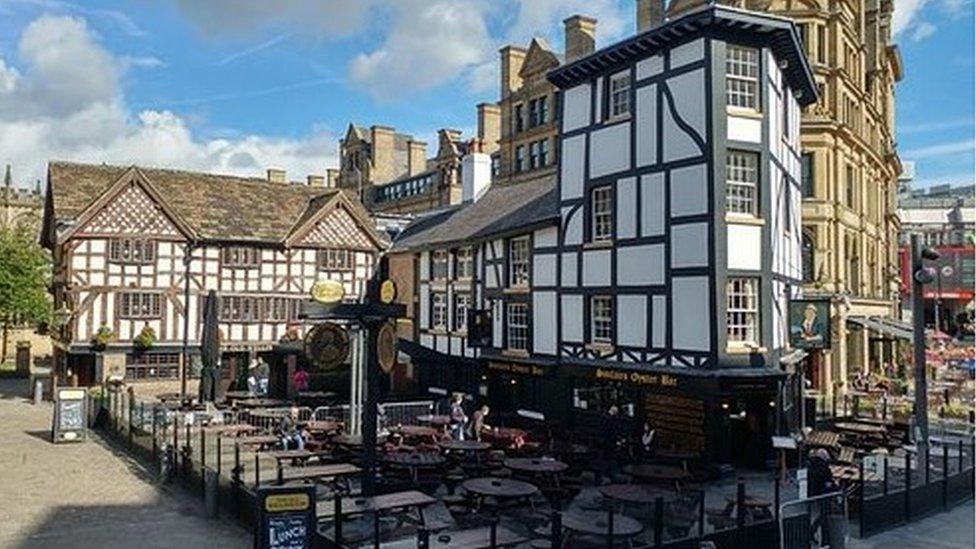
(87, 494)
(950, 530)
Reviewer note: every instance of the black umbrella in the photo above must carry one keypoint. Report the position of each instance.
(210, 349)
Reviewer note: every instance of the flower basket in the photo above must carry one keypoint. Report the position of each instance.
(102, 338)
(146, 338)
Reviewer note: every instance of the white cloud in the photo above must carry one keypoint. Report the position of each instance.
(64, 101)
(905, 12)
(327, 18)
(941, 149)
(545, 18)
(923, 30)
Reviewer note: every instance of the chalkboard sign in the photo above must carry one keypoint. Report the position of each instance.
(69, 416)
(286, 517)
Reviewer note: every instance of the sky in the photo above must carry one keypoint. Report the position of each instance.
(236, 86)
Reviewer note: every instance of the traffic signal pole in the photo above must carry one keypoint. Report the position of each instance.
(918, 337)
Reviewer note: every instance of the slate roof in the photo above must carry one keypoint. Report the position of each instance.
(216, 207)
(502, 210)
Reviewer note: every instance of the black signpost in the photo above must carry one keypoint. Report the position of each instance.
(69, 416)
(286, 517)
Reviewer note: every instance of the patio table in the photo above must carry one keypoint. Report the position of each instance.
(434, 420)
(415, 431)
(452, 445)
(358, 505)
(257, 440)
(413, 461)
(501, 488)
(536, 465)
(317, 472)
(651, 472)
(474, 538)
(596, 523)
(641, 494)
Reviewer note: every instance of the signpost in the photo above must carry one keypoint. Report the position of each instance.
(69, 416)
(286, 517)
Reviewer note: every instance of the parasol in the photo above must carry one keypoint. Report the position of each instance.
(210, 349)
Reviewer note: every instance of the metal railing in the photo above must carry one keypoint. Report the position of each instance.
(819, 521)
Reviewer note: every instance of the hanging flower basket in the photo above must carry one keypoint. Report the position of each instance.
(146, 338)
(102, 338)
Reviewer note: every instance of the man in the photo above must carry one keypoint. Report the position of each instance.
(288, 431)
(478, 425)
(458, 418)
(610, 431)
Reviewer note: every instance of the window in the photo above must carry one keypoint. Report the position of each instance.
(438, 267)
(152, 366)
(496, 165)
(279, 309)
(851, 196)
(743, 310)
(132, 251)
(619, 94)
(519, 118)
(240, 257)
(238, 308)
(787, 222)
(544, 153)
(520, 158)
(602, 213)
(533, 155)
(139, 305)
(806, 174)
(462, 302)
(808, 251)
(463, 263)
(335, 259)
(518, 326)
(518, 262)
(821, 44)
(543, 111)
(601, 319)
(741, 180)
(438, 311)
(742, 77)
(785, 106)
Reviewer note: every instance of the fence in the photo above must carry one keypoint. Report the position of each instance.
(817, 521)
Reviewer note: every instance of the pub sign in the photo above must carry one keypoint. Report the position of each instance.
(810, 323)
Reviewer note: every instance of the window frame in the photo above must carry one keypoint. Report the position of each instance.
(464, 256)
(601, 328)
(807, 169)
(150, 366)
(461, 320)
(519, 269)
(440, 260)
(618, 98)
(520, 158)
(438, 311)
(602, 222)
(517, 331)
(335, 259)
(126, 309)
(122, 251)
(739, 71)
(737, 332)
(240, 257)
(742, 184)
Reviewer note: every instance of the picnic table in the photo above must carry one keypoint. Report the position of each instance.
(596, 523)
(357, 505)
(415, 431)
(354, 441)
(499, 488)
(234, 430)
(542, 466)
(452, 445)
(261, 441)
(850, 473)
(434, 420)
(641, 494)
(317, 472)
(860, 428)
(237, 395)
(259, 403)
(754, 506)
(474, 538)
(652, 472)
(322, 427)
(413, 461)
(822, 439)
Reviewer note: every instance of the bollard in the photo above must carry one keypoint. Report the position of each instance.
(960, 456)
(423, 538)
(776, 496)
(610, 527)
(187, 452)
(701, 514)
(740, 499)
(39, 392)
(493, 533)
(556, 541)
(211, 487)
(376, 529)
(908, 486)
(945, 477)
(219, 454)
(658, 520)
(155, 448)
(884, 481)
(257, 470)
(860, 473)
(337, 505)
(203, 458)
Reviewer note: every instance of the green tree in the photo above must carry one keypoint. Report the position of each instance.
(24, 274)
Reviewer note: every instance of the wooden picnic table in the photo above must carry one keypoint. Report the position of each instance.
(260, 403)
(324, 427)
(434, 420)
(357, 505)
(860, 428)
(474, 538)
(850, 473)
(354, 441)
(415, 431)
(536, 465)
(452, 445)
(237, 395)
(413, 461)
(317, 472)
(652, 472)
(641, 494)
(596, 523)
(822, 439)
(676, 454)
(500, 488)
(234, 430)
(257, 440)
(757, 507)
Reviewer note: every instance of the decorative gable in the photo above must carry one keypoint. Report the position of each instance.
(339, 229)
(131, 211)
(539, 58)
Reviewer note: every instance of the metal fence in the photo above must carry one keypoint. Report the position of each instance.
(820, 521)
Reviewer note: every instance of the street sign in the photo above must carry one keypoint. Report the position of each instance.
(286, 517)
(69, 416)
(328, 291)
(327, 345)
(386, 347)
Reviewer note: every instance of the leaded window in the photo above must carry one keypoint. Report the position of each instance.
(438, 268)
(139, 305)
(518, 262)
(132, 251)
(619, 94)
(462, 302)
(438, 311)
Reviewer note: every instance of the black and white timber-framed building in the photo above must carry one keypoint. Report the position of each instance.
(660, 278)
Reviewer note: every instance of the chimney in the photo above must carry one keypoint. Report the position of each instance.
(580, 37)
(332, 178)
(475, 176)
(489, 126)
(416, 157)
(650, 14)
(316, 180)
(276, 175)
(511, 63)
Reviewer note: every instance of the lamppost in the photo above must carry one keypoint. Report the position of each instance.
(921, 275)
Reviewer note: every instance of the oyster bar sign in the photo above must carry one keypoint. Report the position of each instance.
(637, 378)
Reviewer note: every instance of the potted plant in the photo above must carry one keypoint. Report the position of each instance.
(145, 339)
(102, 338)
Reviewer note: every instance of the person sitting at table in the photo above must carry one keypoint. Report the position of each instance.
(289, 432)
(478, 425)
(458, 418)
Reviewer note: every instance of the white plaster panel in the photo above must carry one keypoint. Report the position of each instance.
(574, 226)
(652, 204)
(424, 306)
(744, 128)
(609, 150)
(627, 208)
(689, 191)
(647, 125)
(689, 306)
(631, 319)
(659, 323)
(688, 94)
(572, 318)
(544, 269)
(596, 268)
(687, 53)
(576, 107)
(640, 265)
(427, 340)
(598, 115)
(652, 66)
(745, 247)
(425, 265)
(568, 271)
(441, 344)
(546, 237)
(572, 161)
(543, 322)
(689, 245)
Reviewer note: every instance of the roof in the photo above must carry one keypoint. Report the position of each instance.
(214, 207)
(502, 210)
(781, 33)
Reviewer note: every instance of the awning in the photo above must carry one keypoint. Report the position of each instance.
(793, 357)
(883, 325)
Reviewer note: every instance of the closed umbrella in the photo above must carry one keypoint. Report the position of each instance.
(210, 349)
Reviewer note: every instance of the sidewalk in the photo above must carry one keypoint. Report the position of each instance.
(88, 494)
(951, 530)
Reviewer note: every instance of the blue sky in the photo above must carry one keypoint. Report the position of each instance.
(239, 85)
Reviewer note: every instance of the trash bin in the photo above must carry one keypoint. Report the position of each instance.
(211, 487)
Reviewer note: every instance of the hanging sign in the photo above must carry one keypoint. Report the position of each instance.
(327, 345)
(388, 291)
(328, 291)
(386, 347)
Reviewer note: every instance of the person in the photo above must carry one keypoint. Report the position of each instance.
(458, 418)
(610, 430)
(300, 379)
(819, 481)
(289, 432)
(478, 425)
(647, 440)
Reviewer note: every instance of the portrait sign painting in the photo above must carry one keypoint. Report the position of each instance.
(810, 324)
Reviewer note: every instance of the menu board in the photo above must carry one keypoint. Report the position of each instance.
(286, 517)
(678, 421)
(69, 416)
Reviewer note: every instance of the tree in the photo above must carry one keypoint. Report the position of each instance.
(24, 274)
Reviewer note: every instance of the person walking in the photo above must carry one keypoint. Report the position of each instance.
(478, 425)
(610, 432)
(459, 419)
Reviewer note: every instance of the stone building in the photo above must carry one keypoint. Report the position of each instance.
(850, 176)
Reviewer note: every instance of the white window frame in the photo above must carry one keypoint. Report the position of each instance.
(517, 326)
(336, 259)
(742, 183)
(132, 251)
(601, 210)
(240, 256)
(601, 319)
(520, 158)
(462, 304)
(743, 312)
(439, 265)
(464, 263)
(742, 77)
(618, 93)
(438, 311)
(139, 305)
(519, 262)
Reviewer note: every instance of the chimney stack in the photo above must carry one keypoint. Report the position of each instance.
(332, 178)
(511, 60)
(580, 37)
(489, 126)
(276, 175)
(650, 14)
(316, 180)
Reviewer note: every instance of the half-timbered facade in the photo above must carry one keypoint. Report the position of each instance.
(137, 248)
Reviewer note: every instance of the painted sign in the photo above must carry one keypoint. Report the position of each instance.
(386, 347)
(514, 368)
(286, 517)
(388, 291)
(810, 323)
(327, 345)
(637, 378)
(70, 413)
(328, 291)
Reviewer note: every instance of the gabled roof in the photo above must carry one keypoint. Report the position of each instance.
(502, 210)
(539, 57)
(779, 34)
(212, 207)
